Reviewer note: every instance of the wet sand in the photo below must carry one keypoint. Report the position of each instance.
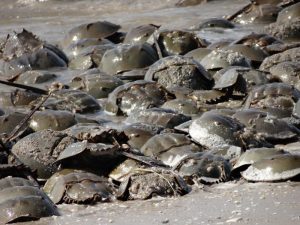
(226, 203)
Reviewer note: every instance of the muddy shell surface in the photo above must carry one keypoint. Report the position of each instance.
(276, 168)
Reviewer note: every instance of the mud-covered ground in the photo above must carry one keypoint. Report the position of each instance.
(225, 203)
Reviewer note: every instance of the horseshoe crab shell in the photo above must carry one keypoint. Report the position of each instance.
(179, 71)
(73, 186)
(276, 168)
(253, 155)
(203, 167)
(99, 29)
(127, 57)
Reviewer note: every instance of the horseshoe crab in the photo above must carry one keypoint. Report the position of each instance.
(147, 183)
(257, 13)
(254, 54)
(214, 23)
(169, 147)
(203, 168)
(158, 116)
(260, 40)
(9, 121)
(52, 119)
(276, 98)
(292, 54)
(288, 72)
(126, 57)
(251, 76)
(219, 59)
(17, 97)
(198, 54)
(21, 201)
(74, 186)
(24, 51)
(214, 130)
(140, 34)
(136, 96)
(39, 150)
(254, 155)
(139, 133)
(288, 31)
(179, 71)
(98, 158)
(36, 77)
(75, 101)
(276, 168)
(98, 85)
(99, 29)
(186, 107)
(177, 42)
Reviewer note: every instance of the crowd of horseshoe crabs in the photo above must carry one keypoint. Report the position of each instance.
(148, 111)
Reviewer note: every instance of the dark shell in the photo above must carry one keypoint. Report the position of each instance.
(95, 157)
(179, 71)
(214, 23)
(177, 42)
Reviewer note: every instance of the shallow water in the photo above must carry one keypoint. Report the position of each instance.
(51, 19)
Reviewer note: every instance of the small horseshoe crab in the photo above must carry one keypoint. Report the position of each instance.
(52, 119)
(98, 85)
(169, 147)
(140, 34)
(17, 97)
(214, 23)
(75, 101)
(138, 133)
(21, 201)
(136, 96)
(177, 42)
(24, 51)
(276, 168)
(126, 57)
(151, 182)
(74, 186)
(276, 98)
(158, 116)
(179, 71)
(203, 168)
(99, 29)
